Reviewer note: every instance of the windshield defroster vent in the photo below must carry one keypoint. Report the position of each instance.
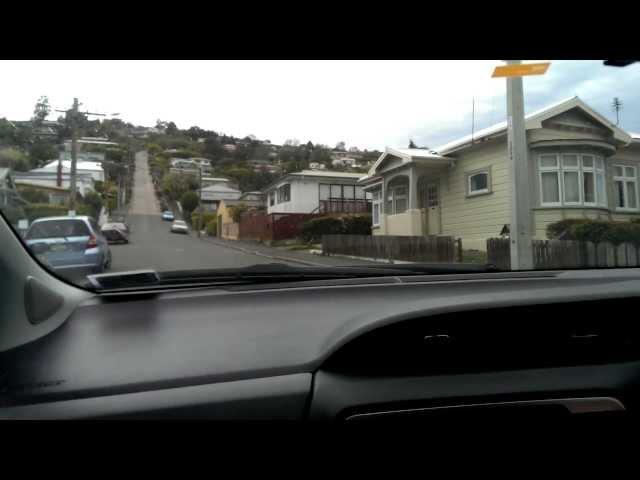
(137, 278)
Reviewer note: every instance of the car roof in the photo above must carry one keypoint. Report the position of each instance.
(77, 217)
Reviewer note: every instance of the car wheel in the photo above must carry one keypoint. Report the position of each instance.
(107, 265)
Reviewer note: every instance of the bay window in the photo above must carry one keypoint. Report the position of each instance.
(571, 179)
(626, 187)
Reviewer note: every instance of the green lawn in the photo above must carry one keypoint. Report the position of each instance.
(474, 256)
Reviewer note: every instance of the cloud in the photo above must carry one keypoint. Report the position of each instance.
(369, 104)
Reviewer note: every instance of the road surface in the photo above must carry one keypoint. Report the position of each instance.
(153, 246)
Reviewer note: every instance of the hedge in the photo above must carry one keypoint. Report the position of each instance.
(212, 228)
(312, 230)
(39, 210)
(560, 229)
(206, 217)
(596, 231)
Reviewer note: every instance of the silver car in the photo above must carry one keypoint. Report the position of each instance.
(179, 226)
(69, 244)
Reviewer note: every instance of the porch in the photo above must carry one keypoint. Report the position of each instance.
(407, 193)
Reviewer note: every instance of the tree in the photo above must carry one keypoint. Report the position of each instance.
(189, 201)
(194, 133)
(174, 185)
(172, 129)
(42, 151)
(41, 110)
(237, 211)
(94, 202)
(14, 159)
(411, 144)
(340, 147)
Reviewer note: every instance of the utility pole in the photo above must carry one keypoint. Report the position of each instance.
(74, 154)
(199, 199)
(74, 117)
(520, 228)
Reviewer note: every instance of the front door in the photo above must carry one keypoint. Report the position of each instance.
(433, 208)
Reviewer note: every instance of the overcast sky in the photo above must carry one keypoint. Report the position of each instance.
(368, 104)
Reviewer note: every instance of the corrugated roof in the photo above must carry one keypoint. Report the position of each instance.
(326, 173)
(66, 164)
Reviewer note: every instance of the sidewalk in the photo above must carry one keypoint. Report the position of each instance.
(281, 254)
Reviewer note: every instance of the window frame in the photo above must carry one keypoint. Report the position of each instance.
(560, 169)
(281, 189)
(392, 196)
(624, 179)
(481, 171)
(376, 207)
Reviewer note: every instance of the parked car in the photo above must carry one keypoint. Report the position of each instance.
(168, 215)
(115, 232)
(69, 243)
(179, 226)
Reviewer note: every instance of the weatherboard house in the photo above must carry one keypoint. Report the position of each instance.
(580, 166)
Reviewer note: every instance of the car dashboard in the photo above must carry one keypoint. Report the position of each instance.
(348, 351)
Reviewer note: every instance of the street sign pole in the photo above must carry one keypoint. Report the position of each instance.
(520, 229)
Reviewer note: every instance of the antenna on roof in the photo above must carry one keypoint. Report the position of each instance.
(473, 117)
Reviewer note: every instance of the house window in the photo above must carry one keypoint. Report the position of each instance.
(272, 198)
(571, 179)
(376, 205)
(626, 187)
(397, 195)
(284, 193)
(478, 182)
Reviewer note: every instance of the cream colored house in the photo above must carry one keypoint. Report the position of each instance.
(580, 166)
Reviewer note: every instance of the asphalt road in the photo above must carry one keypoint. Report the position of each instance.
(153, 246)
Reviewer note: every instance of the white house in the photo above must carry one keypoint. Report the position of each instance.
(84, 181)
(317, 166)
(344, 162)
(314, 191)
(92, 168)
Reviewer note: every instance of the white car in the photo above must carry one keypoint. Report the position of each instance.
(179, 226)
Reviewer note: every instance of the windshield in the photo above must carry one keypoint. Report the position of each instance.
(57, 228)
(518, 165)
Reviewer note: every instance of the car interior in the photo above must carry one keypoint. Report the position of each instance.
(364, 350)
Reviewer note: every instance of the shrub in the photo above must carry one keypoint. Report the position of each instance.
(153, 148)
(93, 202)
(189, 201)
(206, 218)
(212, 228)
(33, 195)
(237, 211)
(39, 210)
(562, 228)
(357, 225)
(594, 231)
(312, 230)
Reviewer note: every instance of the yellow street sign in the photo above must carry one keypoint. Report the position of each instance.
(521, 69)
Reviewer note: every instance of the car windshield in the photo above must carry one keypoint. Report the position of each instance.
(478, 165)
(58, 228)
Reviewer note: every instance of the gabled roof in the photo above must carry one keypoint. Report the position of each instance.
(220, 188)
(534, 120)
(408, 155)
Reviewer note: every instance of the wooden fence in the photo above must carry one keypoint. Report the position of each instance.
(274, 226)
(414, 249)
(566, 254)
